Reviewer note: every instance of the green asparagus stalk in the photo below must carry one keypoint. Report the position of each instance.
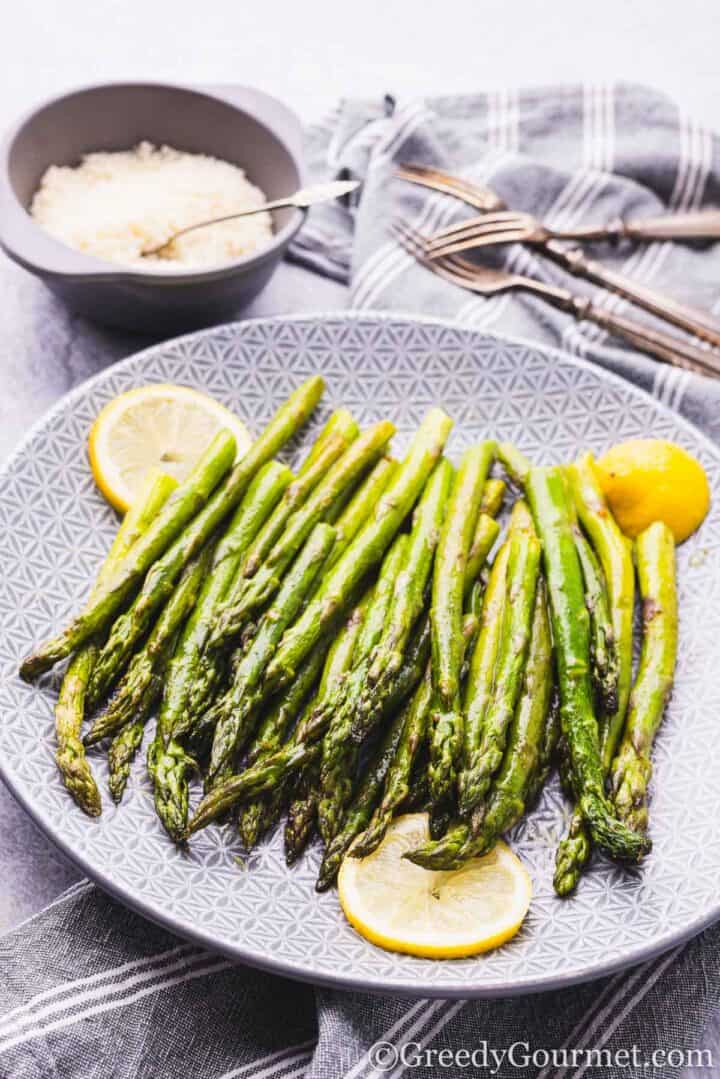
(602, 642)
(341, 422)
(303, 748)
(514, 462)
(632, 767)
(410, 582)
(186, 672)
(483, 541)
(571, 633)
(127, 741)
(446, 730)
(360, 506)
(359, 456)
(523, 760)
(246, 692)
(520, 584)
(615, 557)
(339, 752)
(182, 505)
(397, 786)
(70, 709)
(295, 496)
(492, 496)
(615, 554)
(155, 654)
(302, 811)
(361, 807)
(257, 816)
(164, 560)
(366, 550)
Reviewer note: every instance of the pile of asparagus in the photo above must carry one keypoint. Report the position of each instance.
(337, 645)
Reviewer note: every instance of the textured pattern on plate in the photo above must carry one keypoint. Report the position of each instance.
(54, 528)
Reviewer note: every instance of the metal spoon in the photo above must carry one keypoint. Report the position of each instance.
(306, 196)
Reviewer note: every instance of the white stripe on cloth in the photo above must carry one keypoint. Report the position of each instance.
(631, 1005)
(398, 1027)
(587, 1018)
(214, 967)
(152, 970)
(385, 264)
(567, 209)
(429, 1036)
(67, 988)
(273, 1063)
(693, 168)
(597, 1015)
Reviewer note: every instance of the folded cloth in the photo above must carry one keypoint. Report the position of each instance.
(89, 990)
(570, 155)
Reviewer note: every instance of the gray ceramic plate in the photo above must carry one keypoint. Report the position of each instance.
(54, 528)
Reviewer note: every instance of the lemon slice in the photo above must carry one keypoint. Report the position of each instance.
(649, 479)
(161, 425)
(439, 915)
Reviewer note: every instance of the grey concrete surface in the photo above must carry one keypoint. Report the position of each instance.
(310, 55)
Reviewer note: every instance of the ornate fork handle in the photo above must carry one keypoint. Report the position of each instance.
(685, 317)
(665, 346)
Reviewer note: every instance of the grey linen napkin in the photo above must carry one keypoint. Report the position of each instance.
(89, 990)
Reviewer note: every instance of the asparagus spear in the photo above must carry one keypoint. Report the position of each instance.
(397, 786)
(361, 807)
(339, 752)
(163, 571)
(520, 585)
(359, 456)
(616, 559)
(185, 671)
(295, 496)
(341, 422)
(486, 533)
(522, 761)
(366, 550)
(246, 692)
(571, 633)
(409, 590)
(182, 505)
(360, 506)
(70, 707)
(127, 741)
(492, 497)
(304, 748)
(154, 656)
(446, 730)
(302, 811)
(255, 817)
(602, 642)
(514, 462)
(632, 768)
(615, 554)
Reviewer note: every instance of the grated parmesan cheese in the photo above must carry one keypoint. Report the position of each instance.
(115, 205)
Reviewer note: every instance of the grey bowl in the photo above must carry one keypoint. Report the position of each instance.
(240, 125)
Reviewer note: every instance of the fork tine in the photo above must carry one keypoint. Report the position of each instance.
(502, 219)
(511, 236)
(412, 241)
(476, 231)
(482, 198)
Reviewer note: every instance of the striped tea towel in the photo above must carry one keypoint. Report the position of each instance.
(570, 155)
(89, 990)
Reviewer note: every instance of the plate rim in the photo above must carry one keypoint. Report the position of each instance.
(284, 967)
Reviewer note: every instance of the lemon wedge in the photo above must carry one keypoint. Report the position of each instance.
(438, 915)
(161, 426)
(649, 479)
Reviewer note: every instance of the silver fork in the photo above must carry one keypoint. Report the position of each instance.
(487, 281)
(686, 317)
(511, 226)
